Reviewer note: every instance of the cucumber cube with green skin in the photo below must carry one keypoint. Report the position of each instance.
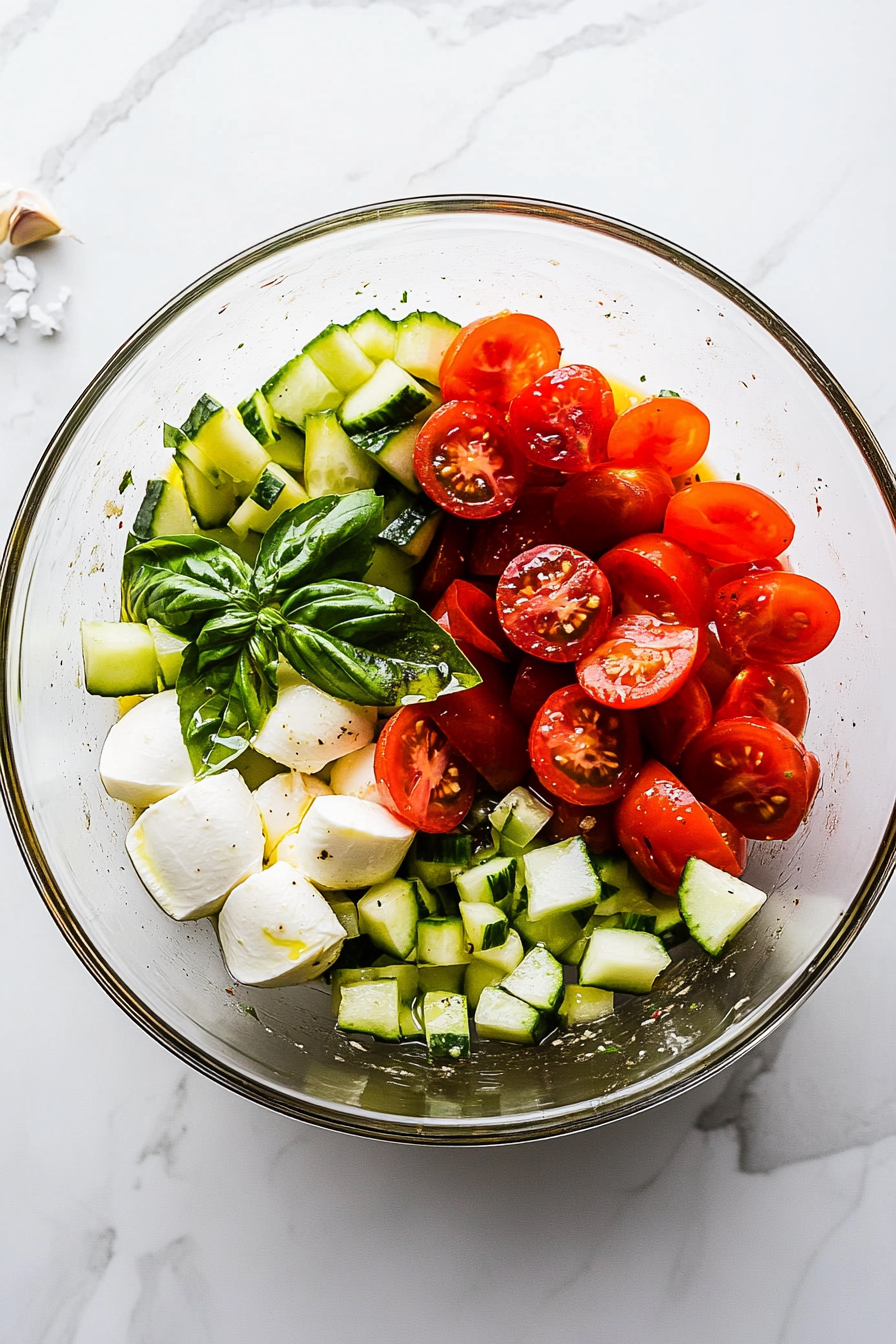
(421, 342)
(395, 498)
(372, 1007)
(485, 925)
(375, 333)
(388, 913)
(479, 976)
(447, 1025)
(502, 1017)
(333, 464)
(623, 959)
(169, 651)
(119, 658)
(181, 446)
(347, 914)
(257, 415)
(520, 816)
(436, 859)
(163, 512)
(715, 906)
(255, 514)
(441, 979)
(560, 877)
(404, 975)
(442, 941)
(427, 901)
(505, 958)
(300, 389)
(390, 569)
(491, 881)
(340, 358)
(583, 1004)
(413, 530)
(222, 437)
(289, 449)
(393, 450)
(538, 980)
(556, 932)
(211, 504)
(389, 398)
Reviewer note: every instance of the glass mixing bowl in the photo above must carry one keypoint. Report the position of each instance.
(645, 312)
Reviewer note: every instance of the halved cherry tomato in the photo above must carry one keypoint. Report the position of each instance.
(717, 671)
(529, 523)
(468, 613)
(775, 618)
(597, 511)
(535, 680)
(769, 691)
(665, 432)
(729, 522)
(562, 419)
(725, 574)
(581, 751)
(672, 724)
(466, 463)
(733, 838)
(640, 662)
(448, 560)
(481, 725)
(752, 771)
(421, 777)
(661, 825)
(652, 573)
(495, 357)
(554, 602)
(596, 825)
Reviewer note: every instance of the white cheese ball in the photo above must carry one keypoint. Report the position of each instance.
(193, 847)
(345, 843)
(276, 929)
(307, 728)
(353, 774)
(283, 801)
(144, 758)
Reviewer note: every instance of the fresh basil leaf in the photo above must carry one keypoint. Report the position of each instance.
(224, 705)
(331, 537)
(224, 636)
(183, 582)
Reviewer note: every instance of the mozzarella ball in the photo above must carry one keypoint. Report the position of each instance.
(144, 758)
(283, 801)
(353, 774)
(277, 929)
(307, 728)
(345, 843)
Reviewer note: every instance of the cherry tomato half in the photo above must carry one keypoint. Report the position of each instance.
(535, 680)
(421, 777)
(529, 523)
(775, 618)
(562, 419)
(466, 463)
(717, 671)
(581, 751)
(447, 562)
(554, 602)
(468, 613)
(665, 432)
(729, 522)
(672, 724)
(495, 357)
(726, 574)
(661, 825)
(610, 504)
(652, 573)
(481, 725)
(752, 771)
(768, 691)
(640, 662)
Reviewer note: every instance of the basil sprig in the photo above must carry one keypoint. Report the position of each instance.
(304, 601)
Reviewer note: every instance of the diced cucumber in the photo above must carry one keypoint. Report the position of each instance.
(389, 398)
(401, 972)
(257, 415)
(340, 358)
(393, 449)
(537, 980)
(442, 979)
(390, 569)
(490, 881)
(557, 931)
(715, 905)
(623, 959)
(375, 333)
(447, 1026)
(572, 955)
(413, 530)
(119, 658)
(479, 975)
(245, 547)
(347, 914)
(560, 877)
(436, 859)
(502, 1017)
(164, 512)
(388, 914)
(395, 498)
(169, 651)
(274, 492)
(442, 941)
(614, 871)
(223, 438)
(333, 465)
(422, 339)
(668, 924)
(427, 901)
(180, 445)
(211, 504)
(300, 389)
(505, 958)
(485, 925)
(583, 1004)
(520, 816)
(289, 449)
(372, 1007)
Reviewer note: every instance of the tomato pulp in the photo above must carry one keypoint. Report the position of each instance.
(581, 751)
(421, 777)
(776, 617)
(466, 463)
(554, 602)
(562, 419)
(752, 771)
(768, 691)
(641, 661)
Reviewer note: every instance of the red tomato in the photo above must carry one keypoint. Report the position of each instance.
(496, 357)
(466, 463)
(726, 574)
(582, 751)
(529, 523)
(448, 560)
(535, 681)
(813, 777)
(733, 838)
(468, 613)
(597, 511)
(554, 602)
(562, 419)
(640, 662)
(665, 432)
(729, 522)
(652, 573)
(768, 691)
(717, 671)
(595, 825)
(421, 777)
(775, 618)
(753, 772)
(480, 724)
(672, 724)
(661, 825)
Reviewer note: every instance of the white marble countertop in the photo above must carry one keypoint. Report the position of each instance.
(142, 1203)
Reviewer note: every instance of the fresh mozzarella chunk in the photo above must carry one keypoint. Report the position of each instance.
(353, 774)
(194, 846)
(346, 842)
(144, 758)
(283, 801)
(307, 728)
(276, 929)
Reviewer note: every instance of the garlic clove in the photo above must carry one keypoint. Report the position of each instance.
(7, 205)
(31, 219)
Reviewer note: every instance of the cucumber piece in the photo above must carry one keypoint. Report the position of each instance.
(447, 1025)
(390, 397)
(347, 914)
(257, 415)
(427, 901)
(557, 931)
(169, 651)
(299, 389)
(119, 658)
(520, 816)
(715, 905)
(333, 464)
(395, 498)
(442, 941)
(485, 925)
(390, 569)
(371, 1007)
(479, 976)
(339, 357)
(501, 1017)
(572, 955)
(211, 504)
(560, 877)
(221, 436)
(404, 975)
(436, 859)
(583, 1004)
(505, 958)
(421, 342)
(442, 979)
(375, 333)
(388, 914)
(490, 881)
(623, 959)
(164, 512)
(413, 530)
(177, 441)
(614, 871)
(668, 924)
(289, 448)
(538, 980)
(393, 449)
(255, 514)
(245, 547)
(409, 1021)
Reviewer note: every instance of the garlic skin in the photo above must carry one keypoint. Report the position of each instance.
(7, 204)
(31, 219)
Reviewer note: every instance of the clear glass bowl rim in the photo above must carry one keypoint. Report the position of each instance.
(703, 1063)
